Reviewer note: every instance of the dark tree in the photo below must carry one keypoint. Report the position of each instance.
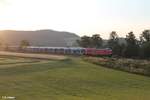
(145, 44)
(132, 48)
(24, 44)
(85, 41)
(113, 43)
(145, 36)
(145, 50)
(6, 47)
(96, 41)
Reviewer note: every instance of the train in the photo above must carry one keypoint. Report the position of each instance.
(68, 50)
(63, 50)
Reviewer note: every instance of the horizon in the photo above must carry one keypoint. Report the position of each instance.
(82, 17)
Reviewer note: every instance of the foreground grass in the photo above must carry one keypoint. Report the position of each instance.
(71, 79)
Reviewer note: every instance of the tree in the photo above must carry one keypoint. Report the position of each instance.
(1, 46)
(113, 43)
(113, 37)
(85, 41)
(122, 49)
(96, 41)
(93, 42)
(145, 50)
(145, 43)
(132, 48)
(6, 47)
(145, 36)
(24, 44)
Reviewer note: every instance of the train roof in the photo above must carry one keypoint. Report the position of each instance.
(63, 47)
(56, 47)
(99, 48)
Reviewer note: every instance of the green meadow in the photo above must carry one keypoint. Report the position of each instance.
(69, 79)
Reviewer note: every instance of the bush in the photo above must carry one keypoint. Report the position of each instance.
(128, 65)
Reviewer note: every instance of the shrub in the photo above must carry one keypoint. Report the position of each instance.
(128, 65)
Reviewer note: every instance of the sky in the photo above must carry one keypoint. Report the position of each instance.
(83, 17)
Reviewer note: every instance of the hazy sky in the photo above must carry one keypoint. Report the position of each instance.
(84, 17)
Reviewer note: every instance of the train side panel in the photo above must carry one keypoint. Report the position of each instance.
(69, 51)
(98, 52)
(103, 52)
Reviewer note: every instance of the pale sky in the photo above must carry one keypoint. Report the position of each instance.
(83, 17)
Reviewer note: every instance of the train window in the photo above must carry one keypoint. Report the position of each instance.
(68, 51)
(82, 51)
(50, 50)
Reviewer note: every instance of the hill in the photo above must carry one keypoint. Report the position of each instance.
(39, 37)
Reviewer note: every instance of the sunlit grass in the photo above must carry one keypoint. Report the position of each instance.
(71, 79)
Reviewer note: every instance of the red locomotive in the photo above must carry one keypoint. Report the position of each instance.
(98, 52)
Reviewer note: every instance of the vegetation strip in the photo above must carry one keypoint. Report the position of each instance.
(141, 67)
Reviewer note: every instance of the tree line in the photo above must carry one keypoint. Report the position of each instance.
(132, 48)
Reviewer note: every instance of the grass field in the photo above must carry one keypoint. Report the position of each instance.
(70, 79)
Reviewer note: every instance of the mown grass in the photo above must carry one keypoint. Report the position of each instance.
(71, 79)
(6, 60)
